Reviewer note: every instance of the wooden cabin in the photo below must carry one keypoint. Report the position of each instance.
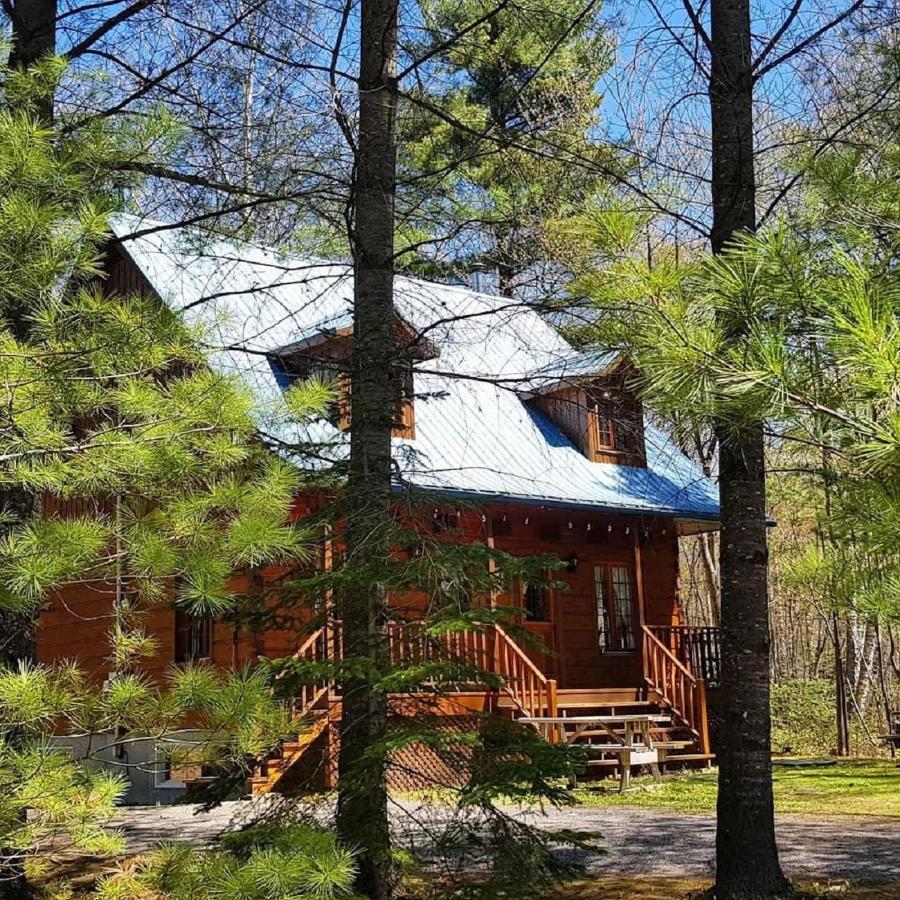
(522, 443)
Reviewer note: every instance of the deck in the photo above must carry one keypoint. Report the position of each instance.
(671, 702)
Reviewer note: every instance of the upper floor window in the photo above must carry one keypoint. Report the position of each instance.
(600, 413)
(336, 371)
(616, 426)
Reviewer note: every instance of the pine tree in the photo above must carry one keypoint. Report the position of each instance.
(131, 462)
(500, 136)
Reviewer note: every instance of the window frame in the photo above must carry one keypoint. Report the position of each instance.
(526, 585)
(610, 620)
(615, 420)
(335, 370)
(192, 630)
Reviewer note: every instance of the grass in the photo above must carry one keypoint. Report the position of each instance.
(615, 888)
(857, 787)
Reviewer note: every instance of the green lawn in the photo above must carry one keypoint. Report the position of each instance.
(859, 787)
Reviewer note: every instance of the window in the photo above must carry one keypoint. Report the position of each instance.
(325, 369)
(536, 601)
(445, 522)
(453, 595)
(176, 767)
(614, 596)
(605, 430)
(617, 424)
(336, 372)
(193, 637)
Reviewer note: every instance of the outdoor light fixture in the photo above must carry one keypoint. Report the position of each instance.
(572, 563)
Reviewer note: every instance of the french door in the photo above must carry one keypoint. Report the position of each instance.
(614, 596)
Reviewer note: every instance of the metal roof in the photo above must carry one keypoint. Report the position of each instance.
(475, 435)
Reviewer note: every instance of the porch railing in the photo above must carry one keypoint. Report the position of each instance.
(677, 685)
(698, 648)
(526, 684)
(490, 650)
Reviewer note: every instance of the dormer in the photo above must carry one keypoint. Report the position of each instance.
(325, 353)
(592, 399)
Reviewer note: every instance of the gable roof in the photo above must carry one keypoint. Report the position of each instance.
(475, 435)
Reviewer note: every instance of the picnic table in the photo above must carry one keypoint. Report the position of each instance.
(634, 748)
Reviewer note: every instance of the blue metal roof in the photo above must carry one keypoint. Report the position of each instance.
(475, 434)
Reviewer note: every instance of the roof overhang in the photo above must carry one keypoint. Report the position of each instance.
(575, 370)
(322, 337)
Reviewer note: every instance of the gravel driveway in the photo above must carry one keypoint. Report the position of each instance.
(633, 841)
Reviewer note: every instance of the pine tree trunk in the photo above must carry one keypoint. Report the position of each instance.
(863, 686)
(710, 575)
(362, 817)
(33, 37)
(842, 717)
(34, 31)
(33, 24)
(746, 854)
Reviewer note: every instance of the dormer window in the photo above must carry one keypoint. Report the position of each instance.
(615, 422)
(326, 355)
(592, 400)
(604, 426)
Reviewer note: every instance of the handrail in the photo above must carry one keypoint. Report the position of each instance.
(526, 659)
(677, 685)
(532, 691)
(669, 654)
(698, 647)
(491, 650)
(315, 649)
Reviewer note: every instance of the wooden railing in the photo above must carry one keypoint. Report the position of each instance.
(489, 650)
(677, 685)
(317, 649)
(526, 684)
(410, 644)
(697, 648)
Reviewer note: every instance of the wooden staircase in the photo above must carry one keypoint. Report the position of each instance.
(672, 683)
(269, 773)
(670, 691)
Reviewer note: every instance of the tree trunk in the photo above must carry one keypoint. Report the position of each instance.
(362, 818)
(33, 24)
(842, 718)
(34, 31)
(863, 687)
(710, 574)
(33, 37)
(747, 863)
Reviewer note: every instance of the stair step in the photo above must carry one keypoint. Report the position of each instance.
(587, 699)
(590, 704)
(603, 733)
(690, 757)
(291, 751)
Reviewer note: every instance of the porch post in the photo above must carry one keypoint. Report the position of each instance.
(641, 610)
(639, 580)
(703, 717)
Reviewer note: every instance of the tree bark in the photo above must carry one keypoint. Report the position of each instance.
(33, 31)
(747, 863)
(362, 818)
(842, 717)
(33, 38)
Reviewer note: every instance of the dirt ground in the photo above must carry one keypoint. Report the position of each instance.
(630, 842)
